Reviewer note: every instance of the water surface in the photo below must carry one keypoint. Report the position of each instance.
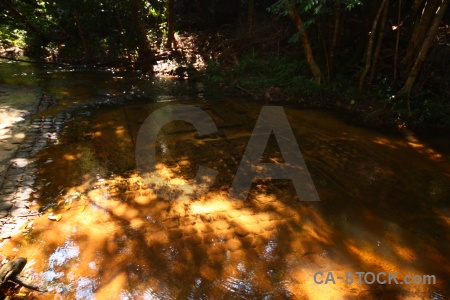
(384, 201)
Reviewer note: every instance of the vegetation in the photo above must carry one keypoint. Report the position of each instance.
(384, 58)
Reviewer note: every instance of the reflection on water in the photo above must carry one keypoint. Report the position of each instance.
(384, 203)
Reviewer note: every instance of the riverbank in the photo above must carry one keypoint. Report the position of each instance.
(17, 104)
(22, 136)
(277, 79)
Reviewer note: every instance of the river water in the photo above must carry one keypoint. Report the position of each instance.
(384, 200)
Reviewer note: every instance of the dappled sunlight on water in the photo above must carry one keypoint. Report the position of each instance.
(384, 206)
(202, 247)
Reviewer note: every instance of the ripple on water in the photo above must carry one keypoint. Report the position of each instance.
(150, 294)
(85, 289)
(270, 251)
(62, 254)
(239, 287)
(51, 275)
(438, 295)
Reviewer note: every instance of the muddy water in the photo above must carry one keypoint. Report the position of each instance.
(384, 202)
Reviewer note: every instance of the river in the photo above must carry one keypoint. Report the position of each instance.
(384, 199)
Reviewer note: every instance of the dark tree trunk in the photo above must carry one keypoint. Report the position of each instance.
(171, 42)
(207, 11)
(146, 56)
(379, 43)
(123, 33)
(397, 43)
(87, 52)
(419, 32)
(251, 4)
(335, 38)
(315, 70)
(370, 46)
(428, 41)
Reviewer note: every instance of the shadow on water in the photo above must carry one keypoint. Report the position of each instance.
(384, 205)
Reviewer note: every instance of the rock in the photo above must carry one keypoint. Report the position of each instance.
(19, 211)
(7, 197)
(5, 206)
(22, 204)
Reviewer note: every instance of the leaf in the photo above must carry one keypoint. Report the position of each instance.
(5, 236)
(295, 38)
(55, 218)
(68, 205)
(81, 209)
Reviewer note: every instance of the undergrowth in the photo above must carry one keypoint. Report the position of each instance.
(276, 77)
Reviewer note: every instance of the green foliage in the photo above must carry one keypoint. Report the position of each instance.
(428, 109)
(109, 27)
(381, 90)
(214, 72)
(256, 72)
(342, 87)
(312, 9)
(351, 4)
(10, 37)
(259, 72)
(303, 85)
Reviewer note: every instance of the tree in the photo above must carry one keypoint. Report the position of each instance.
(315, 70)
(170, 25)
(21, 18)
(146, 57)
(424, 47)
(420, 29)
(370, 59)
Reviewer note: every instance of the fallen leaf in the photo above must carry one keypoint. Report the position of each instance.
(55, 217)
(68, 205)
(24, 225)
(5, 236)
(81, 209)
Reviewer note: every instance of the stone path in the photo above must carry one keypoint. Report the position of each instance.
(22, 138)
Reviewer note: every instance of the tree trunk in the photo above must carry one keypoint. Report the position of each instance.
(305, 41)
(418, 35)
(171, 42)
(146, 57)
(370, 46)
(207, 11)
(379, 42)
(123, 33)
(334, 40)
(417, 5)
(397, 42)
(87, 52)
(251, 4)
(428, 41)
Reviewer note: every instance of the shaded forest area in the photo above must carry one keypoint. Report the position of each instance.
(389, 61)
